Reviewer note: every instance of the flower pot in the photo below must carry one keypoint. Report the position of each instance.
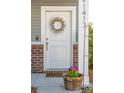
(72, 83)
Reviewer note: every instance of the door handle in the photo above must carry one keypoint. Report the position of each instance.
(46, 45)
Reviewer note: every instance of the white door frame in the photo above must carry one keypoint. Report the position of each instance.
(73, 28)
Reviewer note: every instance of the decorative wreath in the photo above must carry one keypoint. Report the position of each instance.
(57, 24)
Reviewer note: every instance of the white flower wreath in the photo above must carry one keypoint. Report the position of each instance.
(57, 24)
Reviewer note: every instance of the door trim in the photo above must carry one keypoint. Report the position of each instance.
(73, 28)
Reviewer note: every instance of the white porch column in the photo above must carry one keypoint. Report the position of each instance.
(83, 40)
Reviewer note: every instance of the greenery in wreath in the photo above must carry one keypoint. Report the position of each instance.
(57, 24)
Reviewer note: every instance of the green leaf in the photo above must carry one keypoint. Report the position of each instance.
(90, 30)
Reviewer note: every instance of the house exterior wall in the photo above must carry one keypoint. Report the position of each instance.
(37, 57)
(37, 49)
(36, 14)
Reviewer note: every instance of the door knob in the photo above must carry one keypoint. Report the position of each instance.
(46, 38)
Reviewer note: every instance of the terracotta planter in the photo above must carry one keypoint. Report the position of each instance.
(33, 90)
(72, 83)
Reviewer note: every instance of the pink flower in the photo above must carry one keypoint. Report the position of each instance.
(73, 68)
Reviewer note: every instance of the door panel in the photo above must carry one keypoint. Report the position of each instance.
(59, 44)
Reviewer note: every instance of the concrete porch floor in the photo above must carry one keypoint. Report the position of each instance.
(49, 84)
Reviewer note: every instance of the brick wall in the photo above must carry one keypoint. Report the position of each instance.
(75, 55)
(37, 58)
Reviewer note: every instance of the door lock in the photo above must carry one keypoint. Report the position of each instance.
(46, 43)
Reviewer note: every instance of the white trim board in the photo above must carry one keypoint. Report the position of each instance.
(36, 43)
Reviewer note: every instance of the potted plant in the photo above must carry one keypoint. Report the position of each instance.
(72, 79)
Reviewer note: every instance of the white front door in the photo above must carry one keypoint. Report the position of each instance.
(58, 46)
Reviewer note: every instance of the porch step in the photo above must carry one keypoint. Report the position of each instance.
(55, 72)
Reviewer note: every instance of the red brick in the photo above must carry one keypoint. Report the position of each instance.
(34, 58)
(37, 54)
(37, 58)
(75, 55)
(34, 47)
